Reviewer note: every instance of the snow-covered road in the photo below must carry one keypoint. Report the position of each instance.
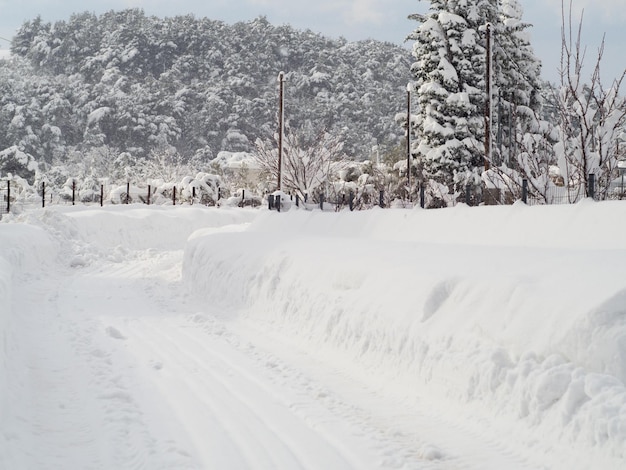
(124, 372)
(110, 363)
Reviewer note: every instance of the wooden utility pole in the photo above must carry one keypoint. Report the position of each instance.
(488, 105)
(408, 137)
(281, 126)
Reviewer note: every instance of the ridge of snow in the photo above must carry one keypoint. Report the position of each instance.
(515, 309)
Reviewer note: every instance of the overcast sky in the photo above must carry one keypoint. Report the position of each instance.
(357, 19)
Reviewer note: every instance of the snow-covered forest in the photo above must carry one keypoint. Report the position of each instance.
(116, 93)
(126, 97)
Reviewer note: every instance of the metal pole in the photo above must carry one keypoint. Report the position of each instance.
(281, 124)
(43, 194)
(511, 136)
(592, 185)
(500, 159)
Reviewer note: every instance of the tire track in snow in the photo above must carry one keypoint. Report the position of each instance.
(77, 403)
(421, 431)
(261, 425)
(306, 398)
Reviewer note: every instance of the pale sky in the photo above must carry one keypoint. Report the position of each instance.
(358, 19)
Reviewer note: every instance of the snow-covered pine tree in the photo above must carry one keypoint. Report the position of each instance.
(450, 53)
(449, 74)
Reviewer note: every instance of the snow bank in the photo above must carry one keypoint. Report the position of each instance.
(23, 248)
(75, 235)
(518, 309)
(132, 227)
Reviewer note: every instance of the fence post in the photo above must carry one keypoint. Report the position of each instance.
(525, 191)
(174, 196)
(381, 198)
(351, 201)
(243, 196)
(270, 202)
(149, 191)
(73, 192)
(468, 195)
(592, 186)
(297, 200)
(193, 194)
(422, 196)
(43, 194)
(101, 195)
(277, 201)
(8, 196)
(322, 201)
(127, 192)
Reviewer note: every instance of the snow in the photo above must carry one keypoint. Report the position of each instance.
(191, 338)
(97, 115)
(236, 160)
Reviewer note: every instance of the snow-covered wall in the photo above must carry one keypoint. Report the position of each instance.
(521, 308)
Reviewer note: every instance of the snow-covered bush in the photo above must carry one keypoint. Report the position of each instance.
(18, 163)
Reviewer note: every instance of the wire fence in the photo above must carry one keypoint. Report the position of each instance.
(16, 199)
(12, 200)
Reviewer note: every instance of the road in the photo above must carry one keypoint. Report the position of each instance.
(117, 367)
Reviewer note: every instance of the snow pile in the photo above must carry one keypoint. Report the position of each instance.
(132, 227)
(511, 316)
(76, 236)
(517, 310)
(22, 248)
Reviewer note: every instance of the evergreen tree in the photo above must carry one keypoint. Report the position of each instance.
(134, 83)
(450, 72)
(449, 75)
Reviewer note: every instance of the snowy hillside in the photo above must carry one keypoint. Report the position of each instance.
(179, 337)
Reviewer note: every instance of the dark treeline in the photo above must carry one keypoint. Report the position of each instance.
(141, 85)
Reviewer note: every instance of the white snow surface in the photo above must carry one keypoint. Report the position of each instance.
(136, 337)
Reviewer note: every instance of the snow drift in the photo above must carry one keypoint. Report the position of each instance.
(511, 315)
(31, 242)
(516, 309)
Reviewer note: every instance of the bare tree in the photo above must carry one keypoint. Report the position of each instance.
(591, 117)
(533, 161)
(310, 160)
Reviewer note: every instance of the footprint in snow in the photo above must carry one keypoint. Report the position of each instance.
(114, 333)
